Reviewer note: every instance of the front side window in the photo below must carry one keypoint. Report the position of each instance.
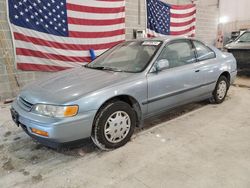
(131, 56)
(178, 53)
(245, 37)
(203, 52)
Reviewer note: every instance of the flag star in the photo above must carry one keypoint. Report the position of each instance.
(62, 3)
(64, 29)
(50, 13)
(26, 10)
(58, 16)
(30, 7)
(37, 23)
(62, 12)
(15, 6)
(63, 21)
(46, 17)
(49, 4)
(55, 19)
(36, 13)
(32, 17)
(59, 24)
(50, 22)
(21, 13)
(27, 20)
(20, 3)
(46, 26)
(24, 1)
(40, 10)
(55, 28)
(16, 16)
(52, 1)
(41, 20)
(44, 7)
(34, 4)
(53, 10)
(38, 1)
(57, 7)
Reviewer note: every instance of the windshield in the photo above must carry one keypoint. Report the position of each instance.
(132, 56)
(245, 37)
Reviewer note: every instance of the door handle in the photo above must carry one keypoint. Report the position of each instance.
(197, 70)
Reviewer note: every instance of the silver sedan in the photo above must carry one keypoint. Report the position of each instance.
(109, 97)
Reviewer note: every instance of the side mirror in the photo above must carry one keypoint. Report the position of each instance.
(161, 65)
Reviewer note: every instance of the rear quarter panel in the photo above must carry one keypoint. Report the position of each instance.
(224, 62)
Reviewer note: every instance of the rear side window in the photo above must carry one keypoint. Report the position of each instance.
(203, 52)
(178, 53)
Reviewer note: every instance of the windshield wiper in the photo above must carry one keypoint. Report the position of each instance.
(105, 68)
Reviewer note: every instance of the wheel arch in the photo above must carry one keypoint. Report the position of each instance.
(227, 75)
(128, 99)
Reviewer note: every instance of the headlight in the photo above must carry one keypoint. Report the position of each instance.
(55, 111)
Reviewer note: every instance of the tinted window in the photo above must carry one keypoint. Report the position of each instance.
(178, 53)
(245, 37)
(203, 52)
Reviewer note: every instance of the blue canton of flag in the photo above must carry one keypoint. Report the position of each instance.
(158, 18)
(48, 16)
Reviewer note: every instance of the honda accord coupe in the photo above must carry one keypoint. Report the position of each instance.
(107, 98)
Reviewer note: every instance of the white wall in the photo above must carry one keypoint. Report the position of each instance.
(235, 10)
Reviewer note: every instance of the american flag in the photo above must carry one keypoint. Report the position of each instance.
(164, 19)
(53, 35)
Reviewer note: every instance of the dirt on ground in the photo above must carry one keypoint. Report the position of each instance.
(26, 163)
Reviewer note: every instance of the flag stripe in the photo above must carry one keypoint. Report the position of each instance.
(182, 32)
(34, 67)
(79, 21)
(45, 49)
(182, 7)
(88, 28)
(183, 28)
(151, 34)
(27, 52)
(37, 60)
(184, 11)
(82, 8)
(95, 16)
(98, 4)
(42, 42)
(79, 34)
(180, 20)
(181, 24)
(174, 15)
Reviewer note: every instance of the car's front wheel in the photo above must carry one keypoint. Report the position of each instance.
(220, 91)
(114, 125)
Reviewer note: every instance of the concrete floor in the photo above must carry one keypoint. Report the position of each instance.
(208, 146)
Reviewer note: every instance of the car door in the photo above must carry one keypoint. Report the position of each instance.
(177, 84)
(207, 64)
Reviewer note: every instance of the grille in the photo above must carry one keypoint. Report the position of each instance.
(24, 104)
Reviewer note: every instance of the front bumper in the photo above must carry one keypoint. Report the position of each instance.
(60, 130)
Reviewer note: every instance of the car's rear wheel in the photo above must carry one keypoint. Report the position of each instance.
(114, 125)
(220, 91)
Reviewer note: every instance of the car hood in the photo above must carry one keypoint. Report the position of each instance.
(67, 86)
(238, 46)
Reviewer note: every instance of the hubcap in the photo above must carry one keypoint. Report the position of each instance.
(222, 90)
(117, 126)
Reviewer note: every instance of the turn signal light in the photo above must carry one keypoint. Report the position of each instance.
(70, 111)
(39, 132)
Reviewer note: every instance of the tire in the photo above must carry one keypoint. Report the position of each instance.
(220, 91)
(110, 128)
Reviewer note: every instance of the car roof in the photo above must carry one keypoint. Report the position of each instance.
(163, 39)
